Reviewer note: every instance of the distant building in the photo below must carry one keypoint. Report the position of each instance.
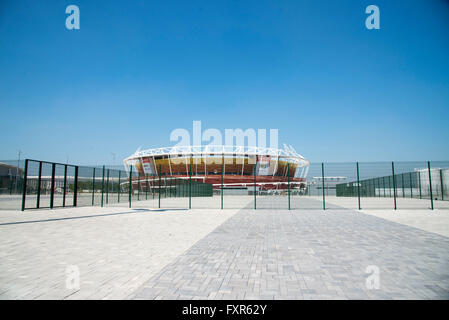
(10, 178)
(315, 185)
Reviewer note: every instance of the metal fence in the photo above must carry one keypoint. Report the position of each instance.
(32, 184)
(52, 185)
(43, 184)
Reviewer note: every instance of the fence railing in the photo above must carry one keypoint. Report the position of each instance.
(51, 185)
(55, 185)
(422, 183)
(33, 184)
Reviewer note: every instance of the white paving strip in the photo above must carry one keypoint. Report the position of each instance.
(114, 249)
(436, 221)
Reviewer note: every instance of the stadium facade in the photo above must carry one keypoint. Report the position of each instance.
(230, 167)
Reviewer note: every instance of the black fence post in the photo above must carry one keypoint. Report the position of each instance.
(441, 183)
(93, 187)
(39, 179)
(394, 184)
(159, 201)
(376, 187)
(190, 185)
(255, 196)
(52, 185)
(11, 185)
(138, 186)
(153, 188)
(390, 178)
(430, 185)
(146, 186)
(119, 186)
(288, 184)
(25, 177)
(403, 188)
(102, 187)
(222, 168)
(419, 182)
(322, 185)
(130, 187)
(75, 193)
(107, 187)
(358, 185)
(65, 185)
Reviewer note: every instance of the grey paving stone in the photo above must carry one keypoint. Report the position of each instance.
(116, 249)
(281, 254)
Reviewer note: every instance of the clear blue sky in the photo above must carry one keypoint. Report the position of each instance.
(136, 70)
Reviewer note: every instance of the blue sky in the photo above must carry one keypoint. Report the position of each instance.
(136, 70)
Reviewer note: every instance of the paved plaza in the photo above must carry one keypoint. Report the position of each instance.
(115, 249)
(306, 255)
(143, 253)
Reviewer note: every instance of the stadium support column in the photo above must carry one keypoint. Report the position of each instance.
(102, 187)
(394, 184)
(130, 186)
(288, 184)
(322, 185)
(24, 191)
(358, 185)
(430, 185)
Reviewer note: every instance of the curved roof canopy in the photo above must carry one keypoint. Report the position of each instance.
(288, 153)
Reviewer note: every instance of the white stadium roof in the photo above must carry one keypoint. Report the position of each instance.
(288, 152)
